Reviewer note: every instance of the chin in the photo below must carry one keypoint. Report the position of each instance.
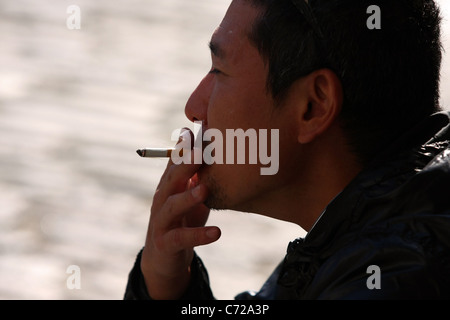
(217, 198)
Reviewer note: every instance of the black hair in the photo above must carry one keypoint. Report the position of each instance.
(390, 76)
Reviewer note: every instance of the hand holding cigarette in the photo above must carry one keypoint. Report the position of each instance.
(177, 225)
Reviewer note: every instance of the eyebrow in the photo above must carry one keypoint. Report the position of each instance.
(216, 49)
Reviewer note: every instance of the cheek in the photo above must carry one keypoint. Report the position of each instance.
(238, 106)
(218, 109)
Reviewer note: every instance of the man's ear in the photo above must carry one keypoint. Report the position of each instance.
(321, 105)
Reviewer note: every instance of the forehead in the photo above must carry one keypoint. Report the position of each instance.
(231, 38)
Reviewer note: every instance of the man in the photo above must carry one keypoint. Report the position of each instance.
(364, 155)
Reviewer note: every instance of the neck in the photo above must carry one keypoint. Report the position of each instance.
(328, 168)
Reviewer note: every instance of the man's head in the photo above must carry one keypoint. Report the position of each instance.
(337, 98)
(390, 76)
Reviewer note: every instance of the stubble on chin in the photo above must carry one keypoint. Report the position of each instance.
(216, 199)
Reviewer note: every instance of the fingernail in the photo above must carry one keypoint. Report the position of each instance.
(213, 233)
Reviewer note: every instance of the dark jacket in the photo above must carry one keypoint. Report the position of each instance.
(385, 236)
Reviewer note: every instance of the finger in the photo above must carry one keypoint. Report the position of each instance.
(186, 135)
(197, 216)
(174, 180)
(178, 176)
(187, 139)
(187, 238)
(178, 205)
(187, 164)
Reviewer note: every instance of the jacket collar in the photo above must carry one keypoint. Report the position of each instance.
(401, 160)
(391, 169)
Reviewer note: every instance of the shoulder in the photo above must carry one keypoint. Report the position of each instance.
(395, 260)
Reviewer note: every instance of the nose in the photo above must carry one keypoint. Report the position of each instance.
(197, 105)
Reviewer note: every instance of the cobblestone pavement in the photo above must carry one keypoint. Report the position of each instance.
(74, 106)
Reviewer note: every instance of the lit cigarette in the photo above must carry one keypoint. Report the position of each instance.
(155, 152)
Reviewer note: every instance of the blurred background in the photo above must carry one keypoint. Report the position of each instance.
(74, 107)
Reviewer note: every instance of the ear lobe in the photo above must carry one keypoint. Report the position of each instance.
(325, 98)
